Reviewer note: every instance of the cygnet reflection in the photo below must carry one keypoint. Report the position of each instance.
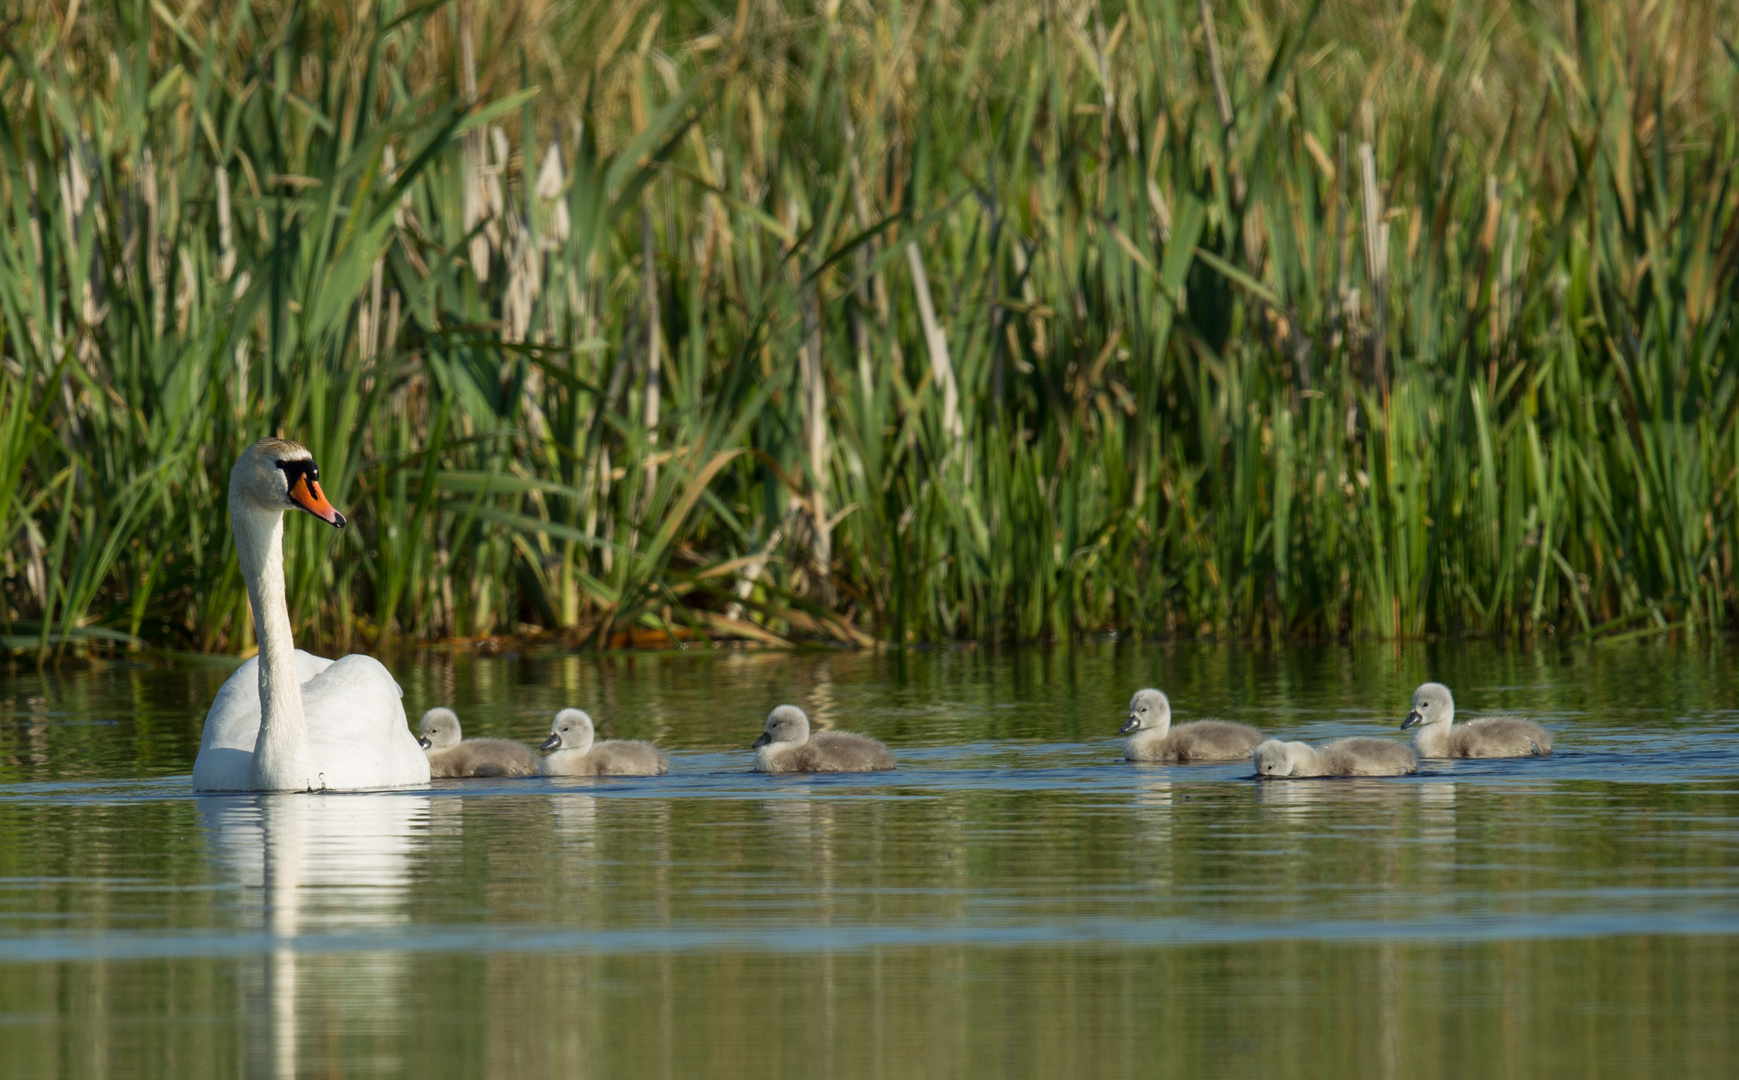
(1153, 810)
(1356, 791)
(576, 819)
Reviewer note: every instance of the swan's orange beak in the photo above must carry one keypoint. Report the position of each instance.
(306, 493)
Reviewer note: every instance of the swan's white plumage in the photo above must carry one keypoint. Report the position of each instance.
(357, 731)
(309, 723)
(232, 724)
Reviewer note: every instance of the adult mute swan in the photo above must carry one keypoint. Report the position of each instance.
(577, 753)
(450, 754)
(1492, 736)
(1154, 738)
(314, 724)
(787, 747)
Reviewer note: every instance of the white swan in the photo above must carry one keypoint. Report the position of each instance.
(1154, 739)
(288, 721)
(577, 753)
(1357, 756)
(1492, 736)
(787, 747)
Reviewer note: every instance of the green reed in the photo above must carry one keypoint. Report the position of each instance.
(995, 321)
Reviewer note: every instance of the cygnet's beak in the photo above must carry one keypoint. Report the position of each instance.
(1413, 720)
(552, 742)
(764, 740)
(306, 494)
(1129, 725)
(424, 742)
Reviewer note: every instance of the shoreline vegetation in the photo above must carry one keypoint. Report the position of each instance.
(622, 322)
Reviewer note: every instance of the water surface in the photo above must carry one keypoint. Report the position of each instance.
(1012, 901)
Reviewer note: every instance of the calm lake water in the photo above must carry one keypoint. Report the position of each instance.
(1014, 901)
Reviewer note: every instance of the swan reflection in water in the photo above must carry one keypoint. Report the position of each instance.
(316, 865)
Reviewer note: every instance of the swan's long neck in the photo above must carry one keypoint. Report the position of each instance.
(281, 754)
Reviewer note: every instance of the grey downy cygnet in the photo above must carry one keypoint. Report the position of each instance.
(786, 746)
(452, 755)
(575, 751)
(1357, 756)
(1492, 736)
(1153, 738)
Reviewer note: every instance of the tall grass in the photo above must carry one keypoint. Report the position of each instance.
(866, 322)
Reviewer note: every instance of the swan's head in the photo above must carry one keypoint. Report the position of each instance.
(570, 730)
(1275, 758)
(786, 724)
(440, 728)
(274, 475)
(1431, 705)
(1149, 708)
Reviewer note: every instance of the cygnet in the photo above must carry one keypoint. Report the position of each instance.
(787, 747)
(1154, 739)
(451, 756)
(1493, 736)
(1357, 756)
(576, 753)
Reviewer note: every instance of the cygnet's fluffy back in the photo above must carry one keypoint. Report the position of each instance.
(1357, 756)
(786, 746)
(1153, 738)
(1489, 737)
(1365, 756)
(577, 752)
(451, 755)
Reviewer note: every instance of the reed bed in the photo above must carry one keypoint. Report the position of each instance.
(873, 323)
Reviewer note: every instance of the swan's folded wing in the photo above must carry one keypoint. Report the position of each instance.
(233, 721)
(234, 717)
(357, 729)
(232, 725)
